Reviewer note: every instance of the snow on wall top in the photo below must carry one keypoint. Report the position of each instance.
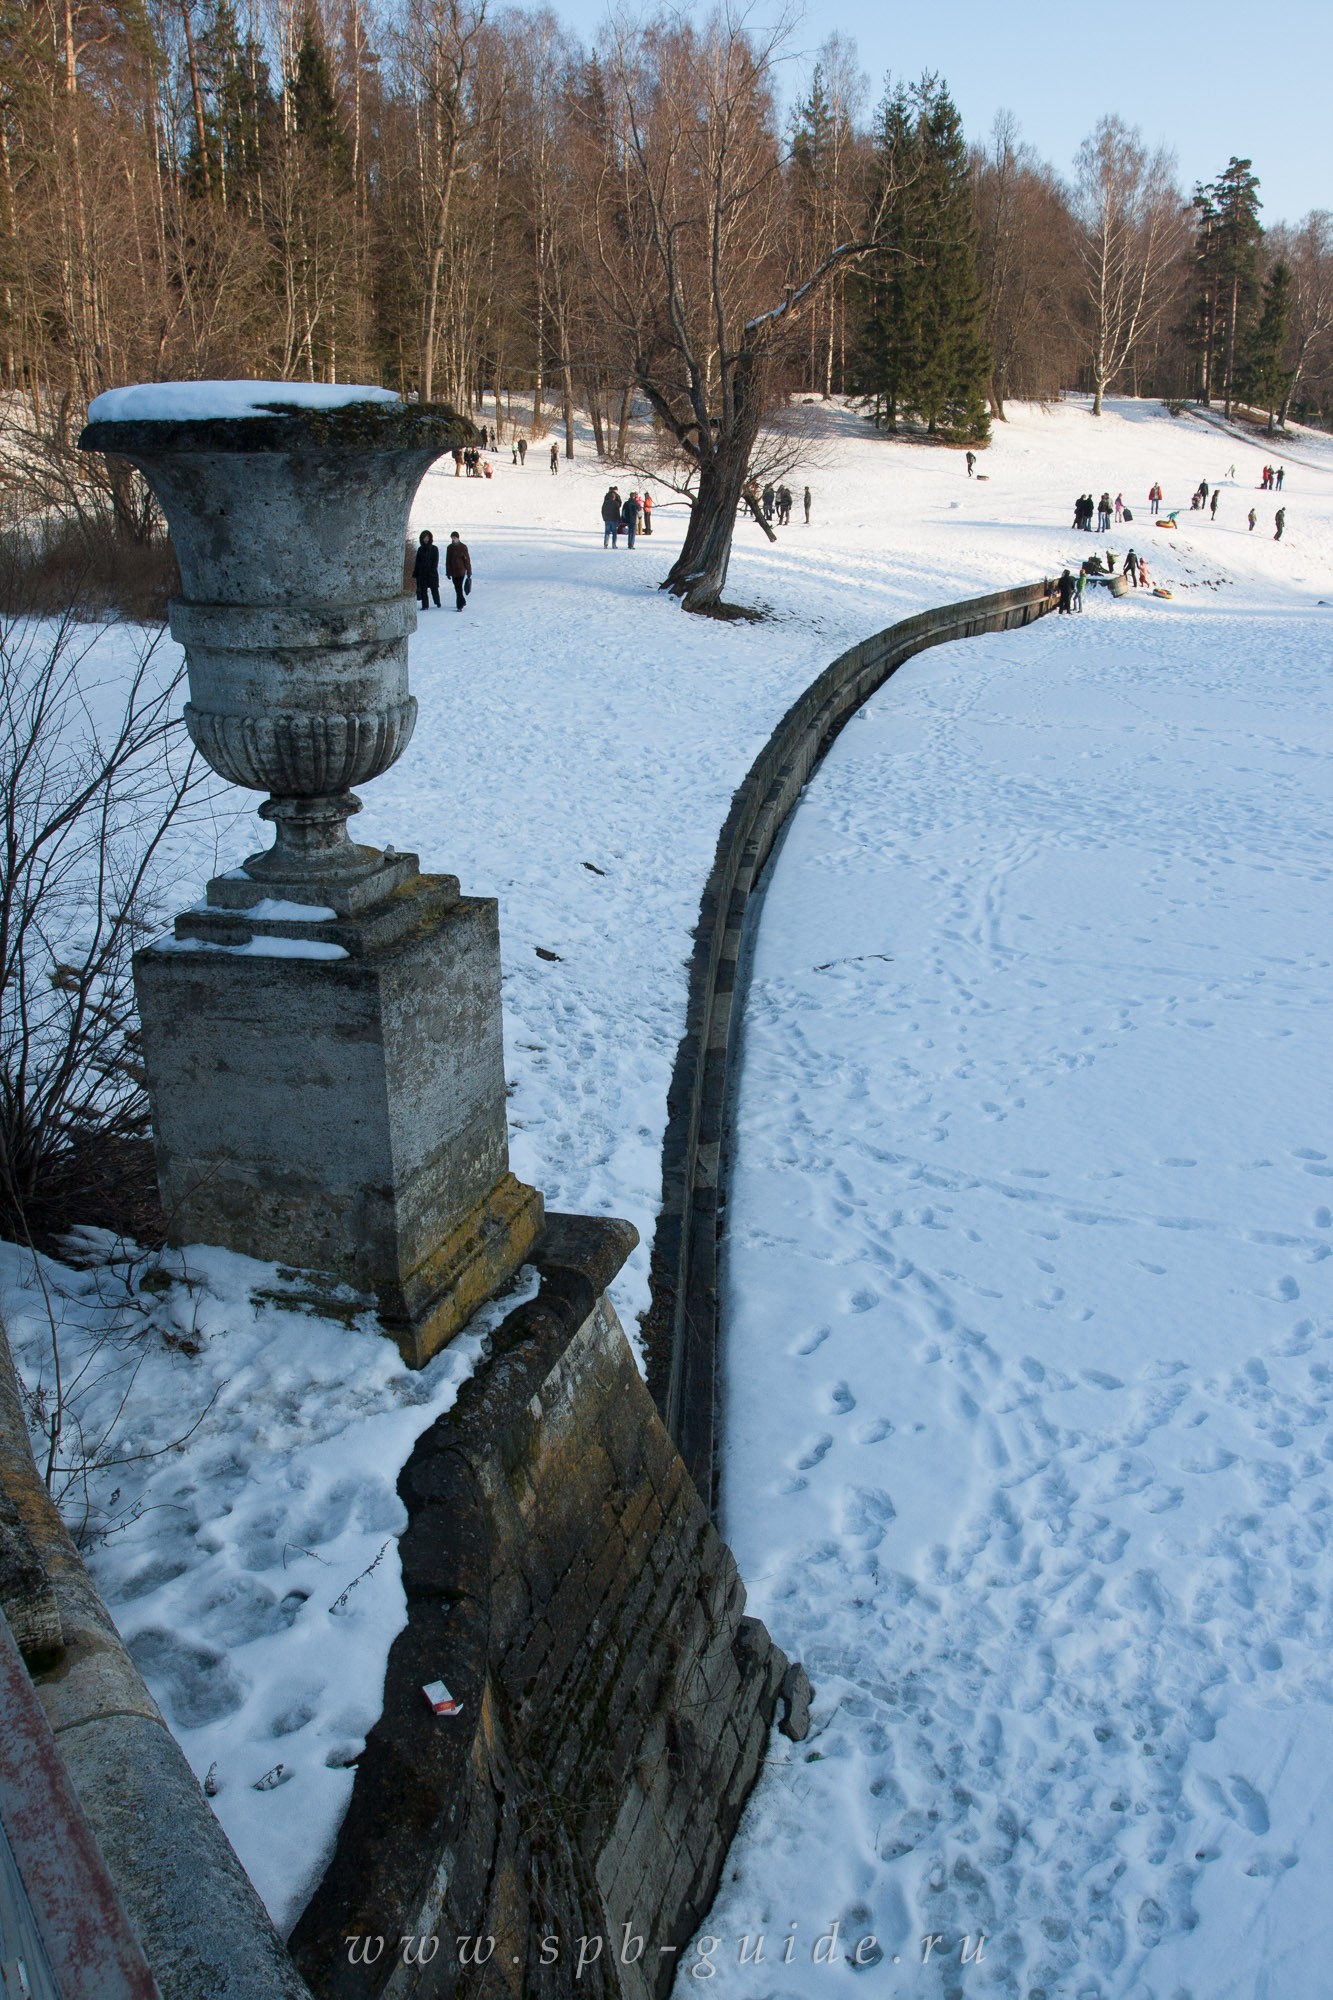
(194, 402)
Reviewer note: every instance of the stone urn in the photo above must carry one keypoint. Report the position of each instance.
(289, 524)
(322, 1036)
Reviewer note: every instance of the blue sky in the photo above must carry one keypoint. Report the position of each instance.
(1209, 81)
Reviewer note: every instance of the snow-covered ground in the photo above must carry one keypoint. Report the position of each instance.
(577, 750)
(1029, 1320)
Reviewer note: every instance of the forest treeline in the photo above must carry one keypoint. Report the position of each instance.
(467, 205)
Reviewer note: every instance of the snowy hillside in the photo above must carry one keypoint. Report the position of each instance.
(578, 746)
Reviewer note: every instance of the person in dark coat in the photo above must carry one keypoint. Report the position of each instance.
(426, 569)
(522, 451)
(1281, 475)
(807, 506)
(1217, 495)
(1131, 568)
(458, 569)
(611, 518)
(769, 502)
(555, 458)
(1253, 518)
(1066, 592)
(1281, 519)
(629, 516)
(971, 461)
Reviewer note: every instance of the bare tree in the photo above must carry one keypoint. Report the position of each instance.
(1307, 252)
(688, 244)
(1026, 262)
(1131, 239)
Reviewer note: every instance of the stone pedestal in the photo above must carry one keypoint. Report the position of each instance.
(328, 1092)
(322, 1036)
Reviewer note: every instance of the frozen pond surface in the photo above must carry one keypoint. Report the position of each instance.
(1029, 1323)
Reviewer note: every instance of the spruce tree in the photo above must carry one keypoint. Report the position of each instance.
(1263, 379)
(922, 346)
(952, 359)
(884, 365)
(314, 106)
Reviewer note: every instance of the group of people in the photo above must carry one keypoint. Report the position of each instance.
(775, 502)
(426, 569)
(468, 458)
(1070, 587)
(626, 516)
(1272, 479)
(1085, 507)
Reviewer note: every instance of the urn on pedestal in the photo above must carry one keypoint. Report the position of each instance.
(323, 1036)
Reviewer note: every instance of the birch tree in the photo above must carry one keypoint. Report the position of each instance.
(1131, 237)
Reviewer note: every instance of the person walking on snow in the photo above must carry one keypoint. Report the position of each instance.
(458, 568)
(522, 451)
(629, 515)
(769, 501)
(971, 461)
(611, 518)
(1143, 573)
(807, 506)
(647, 513)
(1119, 508)
(555, 459)
(1253, 518)
(1217, 495)
(1131, 568)
(1281, 518)
(426, 569)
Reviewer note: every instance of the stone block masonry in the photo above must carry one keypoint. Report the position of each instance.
(564, 1580)
(330, 1094)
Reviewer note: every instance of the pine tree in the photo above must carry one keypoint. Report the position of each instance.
(1228, 255)
(1262, 376)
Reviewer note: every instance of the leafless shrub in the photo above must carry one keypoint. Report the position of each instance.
(94, 772)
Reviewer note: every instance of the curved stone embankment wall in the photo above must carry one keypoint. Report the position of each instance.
(680, 1327)
(566, 1831)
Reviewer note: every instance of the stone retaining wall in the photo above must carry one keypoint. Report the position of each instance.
(680, 1327)
(564, 1580)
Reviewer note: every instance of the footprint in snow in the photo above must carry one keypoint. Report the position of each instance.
(1253, 1806)
(842, 1399)
(815, 1452)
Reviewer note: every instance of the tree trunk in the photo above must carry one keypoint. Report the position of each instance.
(622, 433)
(594, 394)
(699, 573)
